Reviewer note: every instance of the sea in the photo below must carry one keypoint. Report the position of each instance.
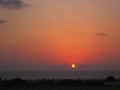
(36, 75)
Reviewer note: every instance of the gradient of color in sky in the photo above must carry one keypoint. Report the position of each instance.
(53, 34)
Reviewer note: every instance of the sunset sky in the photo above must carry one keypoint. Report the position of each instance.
(38, 35)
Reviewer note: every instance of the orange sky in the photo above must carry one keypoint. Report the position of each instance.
(61, 32)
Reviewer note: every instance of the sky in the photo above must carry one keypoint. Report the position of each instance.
(50, 35)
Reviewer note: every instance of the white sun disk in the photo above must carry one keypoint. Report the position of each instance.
(73, 66)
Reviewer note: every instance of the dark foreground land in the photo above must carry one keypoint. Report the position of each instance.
(63, 88)
(61, 84)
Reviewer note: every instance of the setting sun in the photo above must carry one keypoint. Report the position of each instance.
(73, 66)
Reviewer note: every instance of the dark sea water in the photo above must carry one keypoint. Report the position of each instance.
(60, 75)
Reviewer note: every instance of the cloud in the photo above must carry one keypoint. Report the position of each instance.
(101, 34)
(3, 21)
(16, 4)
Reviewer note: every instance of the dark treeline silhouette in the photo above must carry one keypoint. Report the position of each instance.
(110, 78)
(18, 82)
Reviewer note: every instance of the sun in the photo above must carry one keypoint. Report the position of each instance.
(73, 66)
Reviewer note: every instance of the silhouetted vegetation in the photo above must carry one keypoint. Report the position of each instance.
(110, 78)
(18, 82)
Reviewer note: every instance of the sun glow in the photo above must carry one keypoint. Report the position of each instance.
(73, 66)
